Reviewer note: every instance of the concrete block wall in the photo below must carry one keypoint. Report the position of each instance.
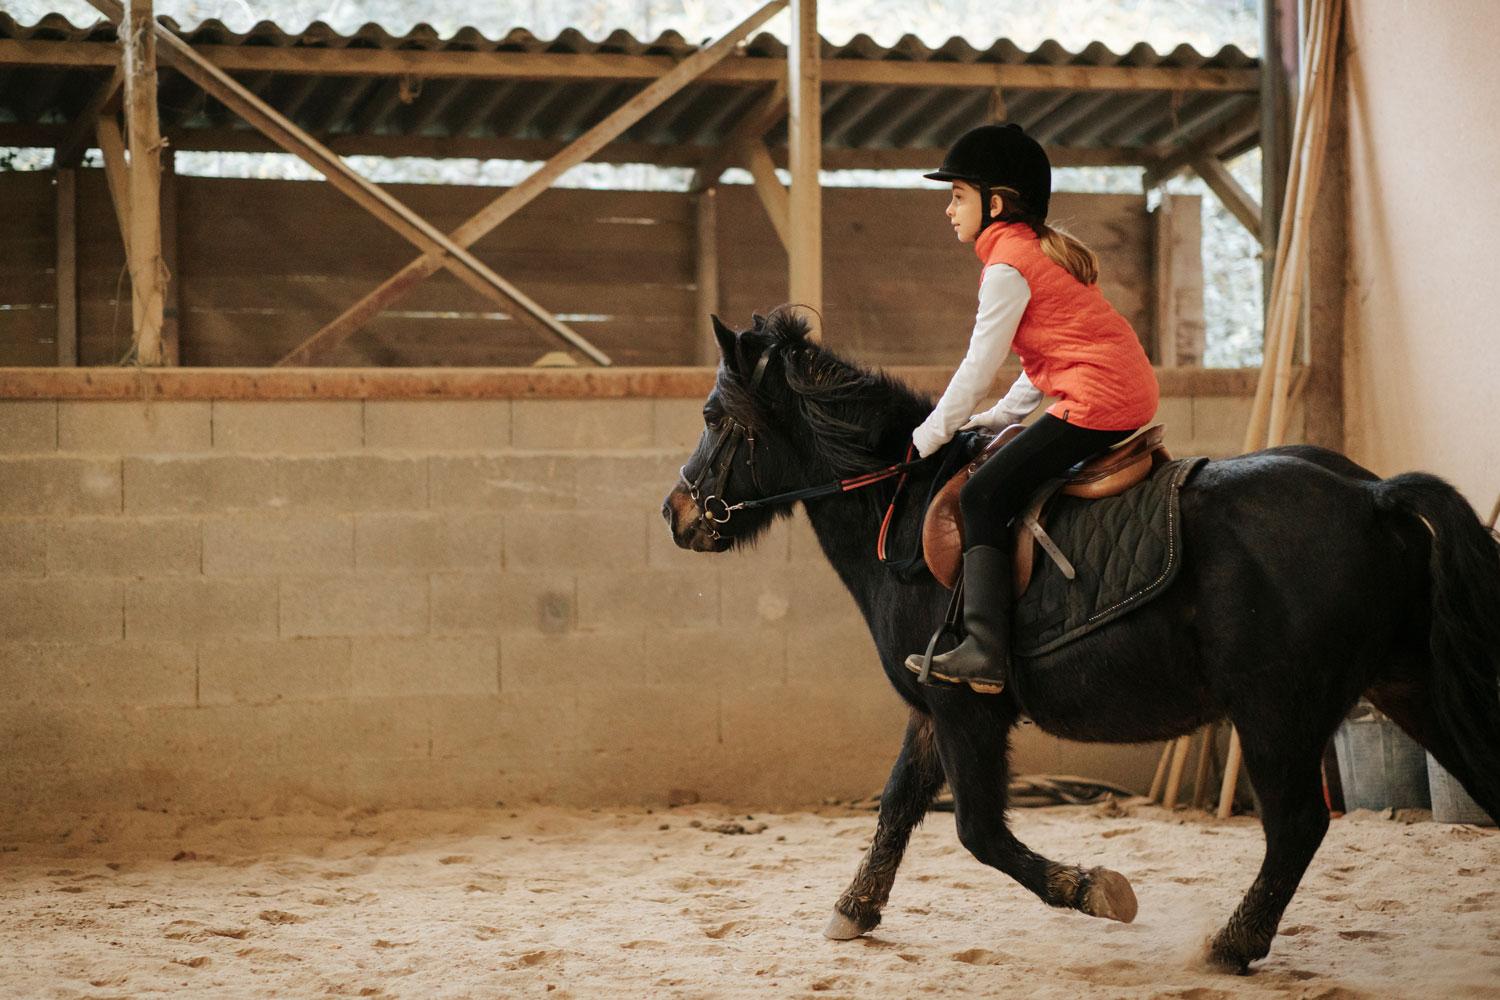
(238, 606)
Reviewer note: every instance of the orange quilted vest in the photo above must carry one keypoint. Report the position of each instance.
(1072, 343)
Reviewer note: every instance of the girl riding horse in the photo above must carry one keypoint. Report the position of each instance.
(1038, 294)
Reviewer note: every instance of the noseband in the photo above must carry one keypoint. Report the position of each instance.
(721, 457)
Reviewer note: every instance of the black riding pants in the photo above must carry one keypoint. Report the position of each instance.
(999, 490)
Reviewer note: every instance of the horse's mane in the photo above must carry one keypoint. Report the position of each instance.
(849, 409)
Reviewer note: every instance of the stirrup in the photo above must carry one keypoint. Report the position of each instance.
(949, 628)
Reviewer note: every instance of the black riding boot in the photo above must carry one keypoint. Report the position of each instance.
(982, 660)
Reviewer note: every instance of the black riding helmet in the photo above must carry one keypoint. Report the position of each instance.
(1000, 156)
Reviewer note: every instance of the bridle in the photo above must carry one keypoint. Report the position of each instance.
(721, 457)
(727, 445)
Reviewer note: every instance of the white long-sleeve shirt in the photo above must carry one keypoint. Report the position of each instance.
(1003, 297)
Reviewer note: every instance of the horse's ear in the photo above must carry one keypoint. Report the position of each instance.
(727, 339)
(757, 321)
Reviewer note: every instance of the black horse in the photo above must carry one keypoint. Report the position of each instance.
(1307, 582)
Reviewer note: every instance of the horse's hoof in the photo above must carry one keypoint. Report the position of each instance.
(842, 928)
(1224, 957)
(1109, 895)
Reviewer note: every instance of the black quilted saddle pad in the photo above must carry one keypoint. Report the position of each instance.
(1125, 550)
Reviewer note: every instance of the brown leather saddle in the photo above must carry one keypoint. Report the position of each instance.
(1107, 474)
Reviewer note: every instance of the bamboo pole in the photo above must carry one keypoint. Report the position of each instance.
(507, 204)
(1159, 779)
(1205, 760)
(1174, 776)
(1270, 413)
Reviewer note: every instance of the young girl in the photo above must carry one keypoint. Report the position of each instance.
(1038, 295)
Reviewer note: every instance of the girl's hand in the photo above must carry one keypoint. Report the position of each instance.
(926, 441)
(989, 420)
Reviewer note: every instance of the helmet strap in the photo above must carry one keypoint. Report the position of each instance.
(985, 218)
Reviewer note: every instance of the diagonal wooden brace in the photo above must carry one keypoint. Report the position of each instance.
(371, 197)
(517, 197)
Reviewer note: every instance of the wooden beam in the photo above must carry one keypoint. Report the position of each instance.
(503, 207)
(768, 186)
(372, 198)
(620, 382)
(707, 233)
(767, 112)
(80, 134)
(148, 272)
(241, 140)
(1229, 192)
(804, 235)
(112, 147)
(740, 70)
(67, 267)
(1213, 143)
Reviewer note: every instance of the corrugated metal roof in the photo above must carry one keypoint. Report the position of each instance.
(856, 116)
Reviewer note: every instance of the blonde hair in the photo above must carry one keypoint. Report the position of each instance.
(1062, 247)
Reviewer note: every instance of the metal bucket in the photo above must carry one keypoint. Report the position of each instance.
(1380, 766)
(1450, 803)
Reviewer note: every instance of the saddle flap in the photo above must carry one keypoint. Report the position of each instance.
(942, 527)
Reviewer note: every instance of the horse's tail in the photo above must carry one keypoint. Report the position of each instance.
(1465, 622)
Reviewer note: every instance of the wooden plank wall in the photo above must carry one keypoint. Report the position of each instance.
(28, 267)
(262, 264)
(897, 287)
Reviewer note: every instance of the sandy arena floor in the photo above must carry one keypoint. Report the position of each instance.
(635, 904)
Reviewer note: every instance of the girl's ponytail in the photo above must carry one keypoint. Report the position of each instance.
(1071, 255)
(1075, 258)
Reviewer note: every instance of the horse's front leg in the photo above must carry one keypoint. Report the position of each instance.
(914, 782)
(974, 746)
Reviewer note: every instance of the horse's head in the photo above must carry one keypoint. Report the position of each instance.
(784, 413)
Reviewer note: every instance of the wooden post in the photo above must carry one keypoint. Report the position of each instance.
(1180, 330)
(1165, 291)
(707, 345)
(171, 326)
(804, 157)
(67, 267)
(148, 277)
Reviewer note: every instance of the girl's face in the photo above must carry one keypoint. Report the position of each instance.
(963, 210)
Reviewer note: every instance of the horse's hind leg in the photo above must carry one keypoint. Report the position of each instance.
(1288, 782)
(974, 747)
(914, 781)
